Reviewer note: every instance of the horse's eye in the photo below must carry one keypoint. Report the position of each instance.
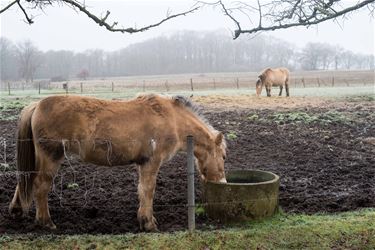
(224, 157)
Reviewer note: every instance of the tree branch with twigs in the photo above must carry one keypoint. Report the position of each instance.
(277, 14)
(25, 5)
(271, 14)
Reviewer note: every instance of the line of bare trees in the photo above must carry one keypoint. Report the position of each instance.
(182, 52)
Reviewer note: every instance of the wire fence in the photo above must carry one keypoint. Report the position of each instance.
(189, 83)
(67, 182)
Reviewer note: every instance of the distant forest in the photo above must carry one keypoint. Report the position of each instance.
(181, 52)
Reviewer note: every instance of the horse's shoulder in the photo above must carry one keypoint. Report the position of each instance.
(155, 102)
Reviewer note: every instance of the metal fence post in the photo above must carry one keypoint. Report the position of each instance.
(191, 194)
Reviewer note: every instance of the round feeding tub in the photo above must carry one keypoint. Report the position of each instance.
(247, 195)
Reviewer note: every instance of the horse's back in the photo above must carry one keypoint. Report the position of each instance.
(276, 76)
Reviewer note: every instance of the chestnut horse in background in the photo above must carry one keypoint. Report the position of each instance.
(147, 131)
(273, 77)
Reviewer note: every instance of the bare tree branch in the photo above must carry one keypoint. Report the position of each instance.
(100, 21)
(111, 27)
(29, 20)
(8, 6)
(226, 11)
(274, 15)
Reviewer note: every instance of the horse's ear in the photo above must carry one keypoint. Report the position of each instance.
(219, 138)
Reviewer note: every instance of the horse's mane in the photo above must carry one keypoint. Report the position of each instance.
(195, 109)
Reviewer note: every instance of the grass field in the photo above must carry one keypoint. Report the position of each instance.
(351, 230)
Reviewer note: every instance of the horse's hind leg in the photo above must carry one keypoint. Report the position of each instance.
(281, 90)
(47, 168)
(18, 208)
(287, 89)
(146, 189)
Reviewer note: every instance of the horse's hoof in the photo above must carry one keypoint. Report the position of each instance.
(46, 224)
(148, 225)
(151, 227)
(16, 212)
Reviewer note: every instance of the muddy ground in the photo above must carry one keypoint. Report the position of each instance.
(323, 152)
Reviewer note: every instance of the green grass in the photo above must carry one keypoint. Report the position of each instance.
(361, 98)
(303, 117)
(350, 230)
(231, 135)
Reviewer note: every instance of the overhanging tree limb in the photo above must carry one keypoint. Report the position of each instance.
(102, 22)
(295, 13)
(29, 19)
(8, 6)
(273, 14)
(82, 8)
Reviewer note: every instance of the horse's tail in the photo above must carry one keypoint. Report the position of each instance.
(25, 162)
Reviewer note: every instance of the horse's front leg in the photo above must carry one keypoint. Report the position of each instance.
(281, 90)
(146, 189)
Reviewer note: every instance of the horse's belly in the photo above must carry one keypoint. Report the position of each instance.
(110, 155)
(105, 158)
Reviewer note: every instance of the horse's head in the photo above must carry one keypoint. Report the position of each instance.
(258, 86)
(210, 159)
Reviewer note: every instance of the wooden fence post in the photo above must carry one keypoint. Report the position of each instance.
(81, 87)
(191, 84)
(39, 88)
(333, 81)
(318, 81)
(113, 87)
(303, 82)
(237, 83)
(166, 85)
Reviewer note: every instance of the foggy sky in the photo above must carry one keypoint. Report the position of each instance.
(62, 28)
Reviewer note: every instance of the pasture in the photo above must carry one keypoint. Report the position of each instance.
(320, 141)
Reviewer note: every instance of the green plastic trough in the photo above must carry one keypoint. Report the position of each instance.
(247, 195)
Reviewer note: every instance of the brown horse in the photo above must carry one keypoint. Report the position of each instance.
(270, 77)
(147, 131)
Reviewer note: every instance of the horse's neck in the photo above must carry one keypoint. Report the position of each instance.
(198, 129)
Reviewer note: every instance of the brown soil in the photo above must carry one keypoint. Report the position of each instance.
(325, 165)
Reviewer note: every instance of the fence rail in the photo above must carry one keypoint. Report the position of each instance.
(193, 82)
